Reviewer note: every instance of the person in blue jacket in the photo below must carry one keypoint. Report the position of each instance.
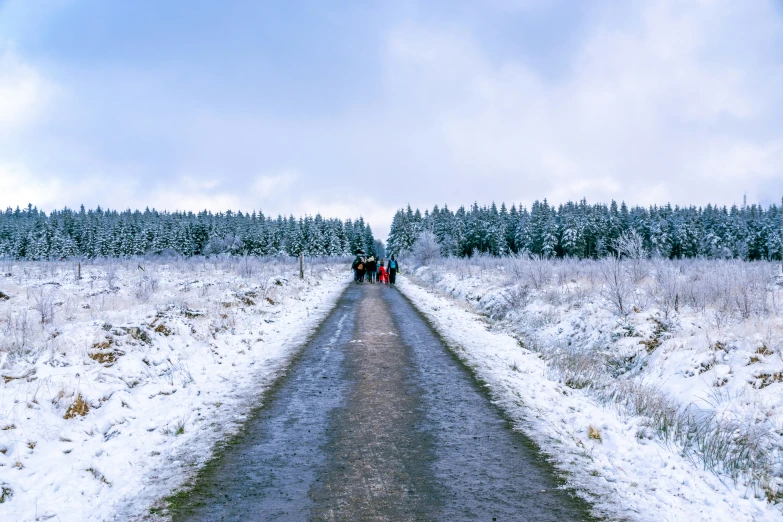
(393, 267)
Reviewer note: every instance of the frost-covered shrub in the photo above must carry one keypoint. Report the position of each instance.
(666, 287)
(616, 284)
(630, 245)
(535, 271)
(43, 302)
(426, 249)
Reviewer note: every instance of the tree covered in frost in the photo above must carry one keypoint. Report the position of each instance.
(577, 229)
(32, 234)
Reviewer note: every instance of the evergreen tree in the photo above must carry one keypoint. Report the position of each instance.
(583, 230)
(31, 234)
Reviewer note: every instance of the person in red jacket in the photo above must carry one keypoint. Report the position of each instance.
(383, 275)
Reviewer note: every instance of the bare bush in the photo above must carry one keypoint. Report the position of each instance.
(666, 289)
(750, 291)
(43, 302)
(18, 333)
(631, 245)
(146, 286)
(616, 287)
(110, 275)
(426, 249)
(537, 270)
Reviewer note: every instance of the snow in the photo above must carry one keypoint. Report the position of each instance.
(628, 473)
(169, 360)
(172, 358)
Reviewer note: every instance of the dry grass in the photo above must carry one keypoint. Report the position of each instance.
(594, 433)
(107, 358)
(79, 407)
(99, 476)
(163, 329)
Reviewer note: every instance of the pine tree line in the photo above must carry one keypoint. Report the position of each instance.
(31, 234)
(587, 231)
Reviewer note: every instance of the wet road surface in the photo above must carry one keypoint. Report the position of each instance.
(376, 420)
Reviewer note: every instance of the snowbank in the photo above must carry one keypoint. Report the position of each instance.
(136, 372)
(617, 459)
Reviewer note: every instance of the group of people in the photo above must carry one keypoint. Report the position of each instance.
(374, 269)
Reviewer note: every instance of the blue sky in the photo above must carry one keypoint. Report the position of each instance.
(356, 108)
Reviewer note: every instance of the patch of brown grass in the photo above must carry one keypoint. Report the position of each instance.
(163, 329)
(79, 407)
(655, 340)
(104, 344)
(766, 352)
(594, 433)
(765, 379)
(28, 376)
(99, 476)
(104, 357)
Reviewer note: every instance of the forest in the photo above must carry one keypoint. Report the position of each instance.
(30, 234)
(581, 230)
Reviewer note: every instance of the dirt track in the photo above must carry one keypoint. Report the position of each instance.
(376, 420)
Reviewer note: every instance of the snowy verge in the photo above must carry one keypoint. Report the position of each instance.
(122, 396)
(625, 477)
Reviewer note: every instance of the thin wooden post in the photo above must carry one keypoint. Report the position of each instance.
(301, 265)
(79, 271)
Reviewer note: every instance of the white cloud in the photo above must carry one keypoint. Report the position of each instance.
(648, 113)
(658, 101)
(23, 93)
(19, 186)
(273, 184)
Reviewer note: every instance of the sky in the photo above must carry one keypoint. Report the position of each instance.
(360, 108)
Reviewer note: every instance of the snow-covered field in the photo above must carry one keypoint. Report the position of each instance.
(116, 386)
(655, 385)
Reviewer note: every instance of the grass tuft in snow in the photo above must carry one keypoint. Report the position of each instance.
(79, 407)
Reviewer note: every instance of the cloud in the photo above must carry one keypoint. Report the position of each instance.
(650, 102)
(650, 111)
(366, 207)
(270, 185)
(23, 93)
(19, 187)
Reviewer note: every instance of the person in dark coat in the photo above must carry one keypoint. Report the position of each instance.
(393, 267)
(372, 269)
(359, 266)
